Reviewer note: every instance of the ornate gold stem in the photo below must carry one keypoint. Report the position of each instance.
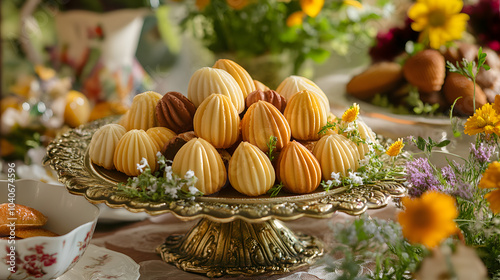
(240, 248)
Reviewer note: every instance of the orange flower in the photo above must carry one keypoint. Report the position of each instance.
(429, 219)
(295, 19)
(496, 105)
(351, 114)
(237, 4)
(395, 148)
(202, 4)
(491, 180)
(312, 7)
(353, 3)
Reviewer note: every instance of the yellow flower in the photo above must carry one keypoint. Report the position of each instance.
(202, 4)
(295, 19)
(485, 119)
(491, 180)
(351, 114)
(429, 219)
(353, 3)
(237, 4)
(312, 7)
(44, 73)
(395, 148)
(439, 21)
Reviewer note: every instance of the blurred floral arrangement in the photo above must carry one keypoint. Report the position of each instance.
(305, 29)
(436, 31)
(450, 223)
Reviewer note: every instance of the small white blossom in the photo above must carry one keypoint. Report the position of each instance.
(152, 188)
(335, 178)
(193, 190)
(365, 161)
(355, 179)
(189, 175)
(161, 159)
(142, 165)
(349, 128)
(170, 191)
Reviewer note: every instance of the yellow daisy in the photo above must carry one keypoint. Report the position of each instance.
(491, 180)
(237, 4)
(485, 119)
(351, 114)
(395, 148)
(295, 19)
(494, 200)
(439, 21)
(429, 219)
(312, 7)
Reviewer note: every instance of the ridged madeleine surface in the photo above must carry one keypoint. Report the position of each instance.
(175, 111)
(293, 84)
(270, 96)
(103, 144)
(336, 153)
(250, 170)
(306, 115)
(366, 133)
(142, 112)
(207, 80)
(132, 147)
(203, 159)
(160, 135)
(217, 121)
(239, 73)
(261, 121)
(298, 169)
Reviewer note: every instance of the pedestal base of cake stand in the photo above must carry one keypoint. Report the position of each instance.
(240, 248)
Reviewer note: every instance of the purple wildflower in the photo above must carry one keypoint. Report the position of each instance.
(449, 175)
(421, 177)
(463, 190)
(482, 153)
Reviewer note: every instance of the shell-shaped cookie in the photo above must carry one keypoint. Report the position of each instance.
(366, 134)
(239, 73)
(293, 84)
(203, 159)
(175, 111)
(142, 112)
(217, 121)
(103, 144)
(160, 135)
(270, 96)
(298, 169)
(250, 171)
(262, 121)
(336, 153)
(207, 80)
(131, 149)
(259, 85)
(306, 115)
(426, 70)
(457, 86)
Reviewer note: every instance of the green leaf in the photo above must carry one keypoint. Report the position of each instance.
(443, 143)
(319, 55)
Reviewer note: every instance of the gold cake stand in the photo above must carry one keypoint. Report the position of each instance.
(237, 235)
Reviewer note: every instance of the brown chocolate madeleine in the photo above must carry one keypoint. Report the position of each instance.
(175, 111)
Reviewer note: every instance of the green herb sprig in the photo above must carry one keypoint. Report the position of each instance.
(275, 190)
(271, 145)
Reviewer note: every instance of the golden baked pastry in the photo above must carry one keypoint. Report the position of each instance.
(34, 231)
(103, 144)
(27, 217)
(202, 158)
(250, 171)
(261, 121)
(298, 169)
(270, 96)
(336, 153)
(241, 75)
(207, 80)
(142, 112)
(456, 86)
(306, 115)
(294, 84)
(426, 70)
(160, 135)
(378, 78)
(217, 121)
(366, 134)
(131, 149)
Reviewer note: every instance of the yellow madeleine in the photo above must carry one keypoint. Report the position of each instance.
(160, 135)
(131, 149)
(203, 159)
(250, 171)
(293, 84)
(217, 121)
(103, 144)
(336, 153)
(306, 115)
(239, 73)
(142, 112)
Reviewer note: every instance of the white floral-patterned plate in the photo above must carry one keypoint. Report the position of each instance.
(101, 263)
